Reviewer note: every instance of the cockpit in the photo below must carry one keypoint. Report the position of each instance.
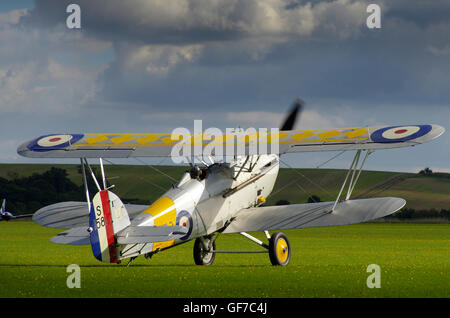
(198, 173)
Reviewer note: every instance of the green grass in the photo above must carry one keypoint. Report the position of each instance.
(326, 262)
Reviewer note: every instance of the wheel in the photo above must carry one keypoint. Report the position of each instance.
(202, 256)
(279, 249)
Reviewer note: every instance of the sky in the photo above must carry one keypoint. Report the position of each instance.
(149, 66)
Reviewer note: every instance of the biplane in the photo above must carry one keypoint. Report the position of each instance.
(215, 197)
(6, 216)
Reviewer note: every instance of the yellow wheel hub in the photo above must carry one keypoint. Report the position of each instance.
(282, 250)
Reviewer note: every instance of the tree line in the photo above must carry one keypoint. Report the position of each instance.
(28, 194)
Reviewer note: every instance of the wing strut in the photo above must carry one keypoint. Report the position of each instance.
(353, 180)
(103, 173)
(85, 163)
(86, 189)
(93, 175)
(251, 238)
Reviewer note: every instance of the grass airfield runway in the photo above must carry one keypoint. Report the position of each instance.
(326, 262)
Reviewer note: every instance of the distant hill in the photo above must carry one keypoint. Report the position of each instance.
(143, 184)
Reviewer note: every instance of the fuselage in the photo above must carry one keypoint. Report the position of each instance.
(206, 200)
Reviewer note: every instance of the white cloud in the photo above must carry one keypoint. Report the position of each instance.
(44, 87)
(244, 17)
(161, 32)
(33, 79)
(159, 59)
(12, 17)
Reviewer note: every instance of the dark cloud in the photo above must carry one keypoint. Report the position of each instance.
(420, 13)
(193, 21)
(232, 52)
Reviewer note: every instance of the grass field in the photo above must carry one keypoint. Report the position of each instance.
(326, 262)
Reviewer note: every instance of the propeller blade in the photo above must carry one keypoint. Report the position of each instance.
(290, 120)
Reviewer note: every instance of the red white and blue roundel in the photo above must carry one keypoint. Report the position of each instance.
(184, 219)
(399, 133)
(53, 142)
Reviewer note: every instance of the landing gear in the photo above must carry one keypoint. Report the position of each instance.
(204, 250)
(279, 249)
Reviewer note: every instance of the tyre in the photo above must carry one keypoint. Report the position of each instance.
(202, 256)
(279, 249)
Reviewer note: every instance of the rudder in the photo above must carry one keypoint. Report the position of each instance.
(107, 217)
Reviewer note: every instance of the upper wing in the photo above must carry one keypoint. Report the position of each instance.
(313, 214)
(67, 215)
(161, 145)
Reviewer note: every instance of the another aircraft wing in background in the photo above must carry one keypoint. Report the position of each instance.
(160, 145)
(319, 214)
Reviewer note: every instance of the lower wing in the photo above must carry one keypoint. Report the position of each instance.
(313, 214)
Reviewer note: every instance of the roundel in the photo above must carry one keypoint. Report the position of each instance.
(399, 133)
(184, 219)
(53, 142)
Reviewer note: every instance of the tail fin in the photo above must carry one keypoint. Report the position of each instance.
(3, 206)
(107, 217)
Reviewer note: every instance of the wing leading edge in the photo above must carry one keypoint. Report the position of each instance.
(161, 145)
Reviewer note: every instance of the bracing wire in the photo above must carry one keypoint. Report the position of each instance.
(302, 175)
(156, 169)
(141, 178)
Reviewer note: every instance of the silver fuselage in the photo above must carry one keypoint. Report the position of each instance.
(208, 203)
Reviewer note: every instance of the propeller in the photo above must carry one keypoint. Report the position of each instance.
(290, 120)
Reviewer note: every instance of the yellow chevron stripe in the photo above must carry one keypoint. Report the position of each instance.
(121, 139)
(303, 135)
(94, 140)
(329, 134)
(356, 133)
(146, 139)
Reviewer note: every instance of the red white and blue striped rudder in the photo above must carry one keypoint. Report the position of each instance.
(107, 217)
